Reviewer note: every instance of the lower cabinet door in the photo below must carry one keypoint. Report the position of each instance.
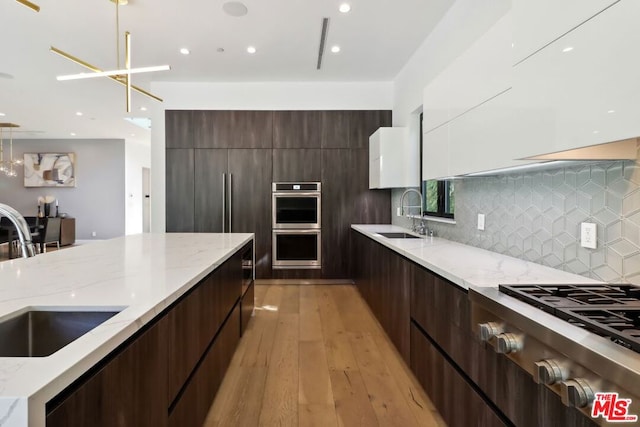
(246, 307)
(459, 404)
(128, 391)
(193, 405)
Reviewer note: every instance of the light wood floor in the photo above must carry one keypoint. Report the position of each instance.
(315, 356)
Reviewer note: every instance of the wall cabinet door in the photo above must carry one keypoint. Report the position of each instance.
(538, 23)
(251, 175)
(587, 95)
(179, 190)
(178, 128)
(296, 129)
(232, 129)
(297, 164)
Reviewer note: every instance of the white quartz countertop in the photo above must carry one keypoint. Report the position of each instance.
(464, 265)
(143, 274)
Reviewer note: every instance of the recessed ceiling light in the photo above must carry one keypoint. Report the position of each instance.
(73, 134)
(251, 49)
(143, 108)
(335, 49)
(611, 111)
(78, 113)
(596, 131)
(234, 8)
(185, 51)
(567, 49)
(133, 134)
(345, 7)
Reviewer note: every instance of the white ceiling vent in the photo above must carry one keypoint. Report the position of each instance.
(323, 40)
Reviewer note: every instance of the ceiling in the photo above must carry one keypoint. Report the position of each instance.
(376, 37)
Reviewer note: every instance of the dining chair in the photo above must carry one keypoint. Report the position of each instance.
(50, 234)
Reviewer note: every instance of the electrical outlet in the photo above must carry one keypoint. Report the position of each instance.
(399, 211)
(94, 234)
(588, 235)
(481, 222)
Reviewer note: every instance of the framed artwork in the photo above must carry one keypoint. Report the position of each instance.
(49, 170)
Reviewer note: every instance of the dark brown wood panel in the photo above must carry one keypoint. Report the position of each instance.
(454, 398)
(210, 165)
(335, 129)
(365, 122)
(337, 211)
(202, 128)
(297, 164)
(296, 129)
(195, 402)
(179, 190)
(251, 171)
(370, 206)
(130, 390)
(178, 128)
(246, 307)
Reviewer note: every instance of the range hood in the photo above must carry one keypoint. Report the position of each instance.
(626, 149)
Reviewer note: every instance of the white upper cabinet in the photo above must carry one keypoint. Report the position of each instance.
(585, 87)
(435, 153)
(539, 22)
(481, 72)
(393, 158)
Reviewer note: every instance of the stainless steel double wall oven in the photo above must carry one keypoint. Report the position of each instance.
(296, 213)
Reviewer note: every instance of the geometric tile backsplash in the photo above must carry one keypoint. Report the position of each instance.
(536, 216)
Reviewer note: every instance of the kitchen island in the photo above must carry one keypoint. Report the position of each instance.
(424, 290)
(154, 281)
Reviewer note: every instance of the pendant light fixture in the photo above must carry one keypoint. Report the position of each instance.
(8, 167)
(120, 75)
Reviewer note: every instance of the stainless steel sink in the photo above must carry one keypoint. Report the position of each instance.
(397, 235)
(39, 333)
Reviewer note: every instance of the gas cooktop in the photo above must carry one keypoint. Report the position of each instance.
(609, 310)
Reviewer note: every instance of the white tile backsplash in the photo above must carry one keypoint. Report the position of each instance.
(536, 216)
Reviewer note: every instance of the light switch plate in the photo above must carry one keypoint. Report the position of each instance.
(481, 222)
(588, 235)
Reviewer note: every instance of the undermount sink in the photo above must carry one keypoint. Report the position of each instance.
(399, 235)
(42, 332)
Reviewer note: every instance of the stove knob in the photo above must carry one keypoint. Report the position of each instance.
(508, 343)
(549, 372)
(488, 330)
(576, 392)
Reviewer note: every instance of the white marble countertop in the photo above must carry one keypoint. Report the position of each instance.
(464, 265)
(143, 274)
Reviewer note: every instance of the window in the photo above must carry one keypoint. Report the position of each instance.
(439, 196)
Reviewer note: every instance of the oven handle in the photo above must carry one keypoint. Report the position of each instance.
(292, 231)
(298, 194)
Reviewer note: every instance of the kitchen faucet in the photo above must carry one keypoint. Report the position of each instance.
(420, 229)
(24, 234)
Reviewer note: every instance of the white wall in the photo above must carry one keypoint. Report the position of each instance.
(137, 156)
(97, 201)
(465, 22)
(250, 96)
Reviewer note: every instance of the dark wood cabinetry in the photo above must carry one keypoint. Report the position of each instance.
(297, 164)
(169, 373)
(382, 278)
(260, 147)
(468, 382)
(179, 190)
(459, 404)
(129, 390)
(296, 129)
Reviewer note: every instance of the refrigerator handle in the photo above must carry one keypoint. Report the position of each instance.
(230, 200)
(224, 200)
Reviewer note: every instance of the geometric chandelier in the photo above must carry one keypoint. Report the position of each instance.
(120, 74)
(8, 166)
(30, 5)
